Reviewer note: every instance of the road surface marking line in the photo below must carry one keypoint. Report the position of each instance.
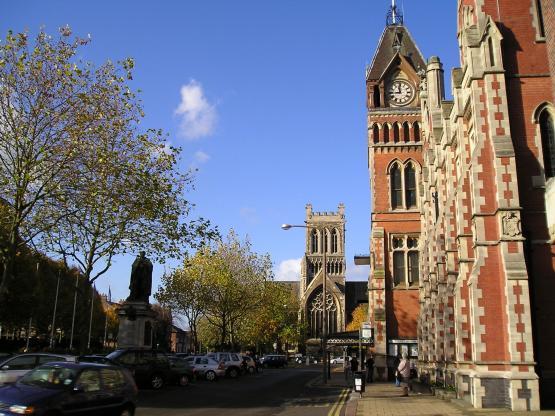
(336, 409)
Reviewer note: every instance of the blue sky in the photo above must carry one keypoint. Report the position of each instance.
(266, 98)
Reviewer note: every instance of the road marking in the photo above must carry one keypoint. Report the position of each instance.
(336, 409)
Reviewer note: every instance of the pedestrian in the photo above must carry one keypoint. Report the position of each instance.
(347, 371)
(370, 369)
(404, 373)
(396, 362)
(354, 364)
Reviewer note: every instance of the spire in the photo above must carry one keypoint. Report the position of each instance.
(394, 16)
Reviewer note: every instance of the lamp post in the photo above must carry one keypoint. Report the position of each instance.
(324, 300)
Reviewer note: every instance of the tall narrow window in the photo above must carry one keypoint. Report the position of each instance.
(410, 186)
(406, 132)
(376, 133)
(416, 128)
(547, 131)
(325, 236)
(541, 25)
(314, 241)
(376, 96)
(396, 187)
(385, 133)
(413, 272)
(491, 55)
(334, 239)
(396, 132)
(405, 260)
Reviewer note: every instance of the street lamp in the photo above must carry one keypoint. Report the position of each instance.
(324, 300)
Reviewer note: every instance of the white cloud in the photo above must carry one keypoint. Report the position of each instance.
(201, 157)
(198, 116)
(289, 270)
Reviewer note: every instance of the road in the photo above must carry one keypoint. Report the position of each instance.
(284, 392)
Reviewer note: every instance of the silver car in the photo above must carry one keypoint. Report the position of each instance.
(14, 367)
(207, 367)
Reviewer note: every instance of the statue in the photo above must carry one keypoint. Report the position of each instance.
(141, 279)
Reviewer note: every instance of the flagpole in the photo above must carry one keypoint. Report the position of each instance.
(74, 308)
(54, 314)
(90, 320)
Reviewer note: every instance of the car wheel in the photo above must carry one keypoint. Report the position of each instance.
(233, 373)
(210, 375)
(156, 381)
(184, 380)
(127, 412)
(334, 362)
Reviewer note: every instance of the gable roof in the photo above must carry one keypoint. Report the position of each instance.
(385, 53)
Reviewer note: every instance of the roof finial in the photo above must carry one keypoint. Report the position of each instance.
(394, 17)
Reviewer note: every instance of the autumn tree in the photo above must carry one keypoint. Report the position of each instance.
(44, 113)
(358, 317)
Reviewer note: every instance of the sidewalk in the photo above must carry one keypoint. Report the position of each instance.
(384, 399)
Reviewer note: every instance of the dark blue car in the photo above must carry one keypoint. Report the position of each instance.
(57, 389)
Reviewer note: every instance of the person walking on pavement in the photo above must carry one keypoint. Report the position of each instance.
(354, 364)
(404, 373)
(370, 369)
(346, 369)
(396, 362)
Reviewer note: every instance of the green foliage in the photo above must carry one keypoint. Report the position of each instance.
(79, 177)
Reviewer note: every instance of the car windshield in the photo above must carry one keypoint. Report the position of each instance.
(52, 377)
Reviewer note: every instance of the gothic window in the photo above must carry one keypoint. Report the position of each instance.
(326, 236)
(405, 260)
(385, 133)
(376, 133)
(547, 131)
(406, 131)
(416, 132)
(315, 309)
(396, 188)
(403, 186)
(410, 186)
(314, 241)
(334, 240)
(396, 132)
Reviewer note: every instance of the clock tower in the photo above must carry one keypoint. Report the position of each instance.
(395, 158)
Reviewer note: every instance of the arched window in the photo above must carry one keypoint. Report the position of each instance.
(416, 132)
(406, 132)
(385, 133)
(314, 241)
(547, 131)
(376, 133)
(396, 187)
(334, 241)
(410, 186)
(326, 236)
(396, 132)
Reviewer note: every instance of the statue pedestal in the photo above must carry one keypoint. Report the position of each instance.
(136, 324)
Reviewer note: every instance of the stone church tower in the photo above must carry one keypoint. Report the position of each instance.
(395, 160)
(325, 232)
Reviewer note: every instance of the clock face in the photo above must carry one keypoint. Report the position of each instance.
(400, 92)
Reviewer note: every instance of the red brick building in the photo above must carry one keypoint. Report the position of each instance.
(395, 160)
(488, 209)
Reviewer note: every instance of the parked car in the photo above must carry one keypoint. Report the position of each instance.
(150, 368)
(18, 365)
(63, 388)
(95, 358)
(207, 367)
(184, 373)
(337, 360)
(231, 360)
(249, 365)
(274, 360)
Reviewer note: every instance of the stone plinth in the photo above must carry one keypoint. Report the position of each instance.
(136, 323)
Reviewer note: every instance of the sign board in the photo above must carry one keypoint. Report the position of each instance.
(366, 331)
